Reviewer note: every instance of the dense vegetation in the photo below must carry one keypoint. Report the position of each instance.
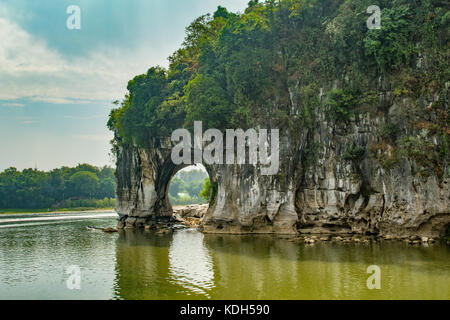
(82, 186)
(270, 64)
(186, 187)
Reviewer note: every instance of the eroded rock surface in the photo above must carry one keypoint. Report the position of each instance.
(197, 211)
(318, 189)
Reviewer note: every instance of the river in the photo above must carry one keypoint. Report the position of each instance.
(38, 252)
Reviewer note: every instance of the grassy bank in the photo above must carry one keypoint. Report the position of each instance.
(28, 211)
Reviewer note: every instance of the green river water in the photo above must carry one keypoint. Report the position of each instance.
(37, 250)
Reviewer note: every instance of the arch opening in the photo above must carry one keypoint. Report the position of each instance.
(189, 185)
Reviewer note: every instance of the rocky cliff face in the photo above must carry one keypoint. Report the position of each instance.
(345, 194)
(362, 113)
(334, 177)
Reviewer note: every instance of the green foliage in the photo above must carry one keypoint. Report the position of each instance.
(205, 193)
(423, 151)
(444, 150)
(148, 110)
(88, 203)
(309, 96)
(183, 200)
(389, 162)
(34, 189)
(209, 191)
(267, 65)
(176, 186)
(384, 153)
(340, 104)
(354, 153)
(311, 154)
(391, 46)
(206, 100)
(221, 13)
(186, 186)
(84, 183)
(390, 132)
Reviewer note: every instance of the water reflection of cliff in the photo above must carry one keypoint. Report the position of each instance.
(190, 265)
(266, 267)
(151, 266)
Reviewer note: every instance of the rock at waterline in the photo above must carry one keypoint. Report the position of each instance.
(106, 230)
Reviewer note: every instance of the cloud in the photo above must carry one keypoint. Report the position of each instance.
(29, 69)
(56, 100)
(14, 105)
(93, 64)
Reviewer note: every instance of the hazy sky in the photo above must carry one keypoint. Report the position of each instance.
(56, 84)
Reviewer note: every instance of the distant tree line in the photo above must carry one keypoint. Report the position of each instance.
(82, 186)
(186, 187)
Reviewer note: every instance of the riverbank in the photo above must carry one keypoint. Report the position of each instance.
(412, 240)
(62, 210)
(192, 217)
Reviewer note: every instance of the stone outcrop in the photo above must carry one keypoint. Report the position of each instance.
(317, 189)
(338, 196)
(197, 211)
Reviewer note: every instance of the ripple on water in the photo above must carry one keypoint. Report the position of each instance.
(190, 262)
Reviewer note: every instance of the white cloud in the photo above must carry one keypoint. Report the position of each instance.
(57, 100)
(14, 105)
(30, 69)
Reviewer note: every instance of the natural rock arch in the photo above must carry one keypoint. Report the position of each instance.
(177, 170)
(144, 177)
(363, 136)
(326, 195)
(245, 202)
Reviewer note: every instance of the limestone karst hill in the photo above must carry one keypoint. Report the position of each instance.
(362, 113)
